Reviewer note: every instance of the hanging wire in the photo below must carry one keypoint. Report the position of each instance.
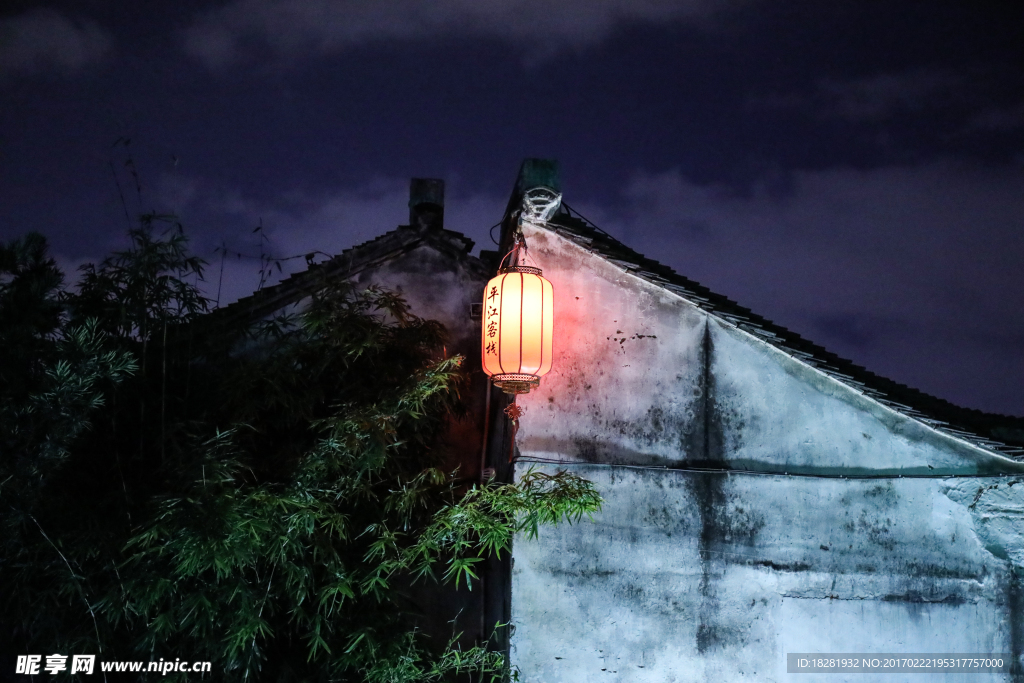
(491, 231)
(266, 263)
(220, 279)
(514, 248)
(571, 211)
(308, 256)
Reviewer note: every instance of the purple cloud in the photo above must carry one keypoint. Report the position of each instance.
(45, 40)
(291, 29)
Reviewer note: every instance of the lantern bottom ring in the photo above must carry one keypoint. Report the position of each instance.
(513, 383)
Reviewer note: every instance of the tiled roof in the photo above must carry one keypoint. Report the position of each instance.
(997, 433)
(348, 263)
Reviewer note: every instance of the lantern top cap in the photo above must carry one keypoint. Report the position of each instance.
(533, 270)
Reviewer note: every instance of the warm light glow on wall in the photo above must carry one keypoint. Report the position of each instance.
(517, 328)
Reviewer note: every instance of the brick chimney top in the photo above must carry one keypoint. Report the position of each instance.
(426, 203)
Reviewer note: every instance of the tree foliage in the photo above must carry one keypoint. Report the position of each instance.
(265, 498)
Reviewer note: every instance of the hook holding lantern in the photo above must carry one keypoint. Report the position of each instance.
(539, 205)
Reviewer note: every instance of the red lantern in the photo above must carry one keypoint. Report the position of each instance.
(518, 316)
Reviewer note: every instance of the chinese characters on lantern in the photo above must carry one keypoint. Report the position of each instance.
(493, 301)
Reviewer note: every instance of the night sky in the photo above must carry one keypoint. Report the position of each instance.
(853, 171)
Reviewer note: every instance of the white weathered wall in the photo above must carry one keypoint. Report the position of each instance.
(436, 287)
(698, 576)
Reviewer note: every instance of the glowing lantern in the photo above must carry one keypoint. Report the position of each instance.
(518, 311)
(517, 324)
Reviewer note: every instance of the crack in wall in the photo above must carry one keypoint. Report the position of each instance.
(705, 381)
(1014, 613)
(910, 599)
(827, 597)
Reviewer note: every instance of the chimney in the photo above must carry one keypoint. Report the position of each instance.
(537, 173)
(426, 203)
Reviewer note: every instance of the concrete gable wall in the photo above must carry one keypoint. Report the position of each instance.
(771, 410)
(437, 287)
(625, 384)
(707, 576)
(641, 376)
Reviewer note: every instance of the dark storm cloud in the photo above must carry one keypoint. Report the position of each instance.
(871, 98)
(43, 40)
(879, 97)
(999, 118)
(299, 28)
(936, 234)
(968, 111)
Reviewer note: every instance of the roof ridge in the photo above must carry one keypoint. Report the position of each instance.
(352, 260)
